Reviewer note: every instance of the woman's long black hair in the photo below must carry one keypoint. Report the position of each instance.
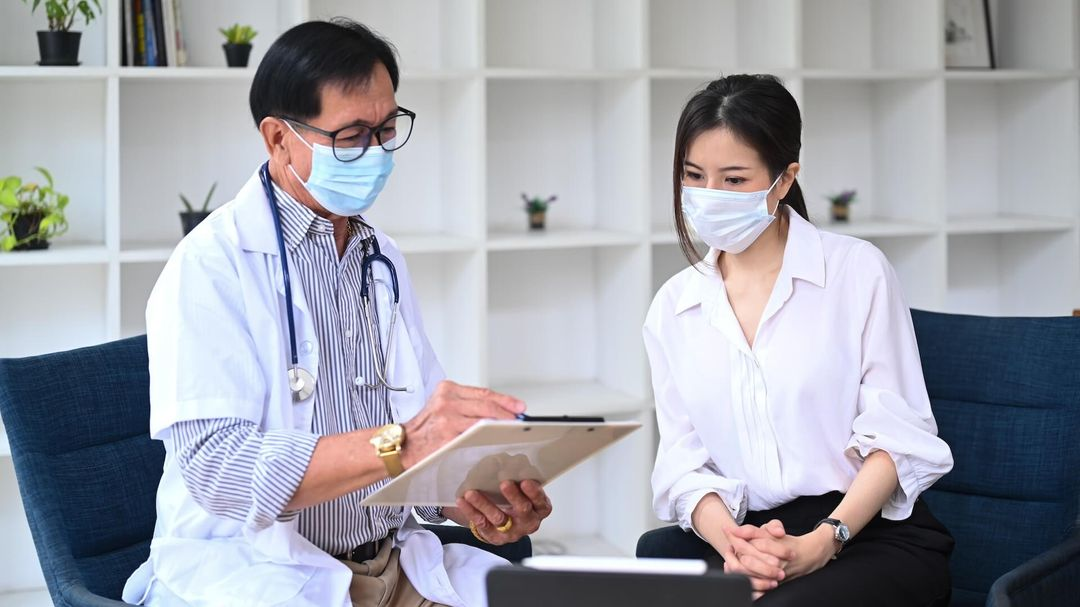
(760, 112)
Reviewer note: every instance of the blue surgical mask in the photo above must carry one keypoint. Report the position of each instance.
(345, 188)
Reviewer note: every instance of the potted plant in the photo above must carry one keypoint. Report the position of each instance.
(840, 203)
(189, 217)
(30, 213)
(537, 208)
(237, 44)
(59, 45)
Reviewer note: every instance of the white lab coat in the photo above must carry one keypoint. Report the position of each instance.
(218, 342)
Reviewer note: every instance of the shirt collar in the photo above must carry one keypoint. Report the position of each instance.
(297, 221)
(804, 259)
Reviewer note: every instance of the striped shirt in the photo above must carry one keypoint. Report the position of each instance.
(234, 470)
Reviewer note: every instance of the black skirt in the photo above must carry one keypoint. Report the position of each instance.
(889, 563)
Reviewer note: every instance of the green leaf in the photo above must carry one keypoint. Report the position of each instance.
(47, 175)
(63, 201)
(8, 199)
(8, 243)
(209, 195)
(187, 204)
(45, 224)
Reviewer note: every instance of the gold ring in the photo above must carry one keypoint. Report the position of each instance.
(476, 534)
(506, 526)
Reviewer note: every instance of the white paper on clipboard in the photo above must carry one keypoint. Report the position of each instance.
(493, 451)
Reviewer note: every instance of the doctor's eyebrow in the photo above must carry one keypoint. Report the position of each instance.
(369, 125)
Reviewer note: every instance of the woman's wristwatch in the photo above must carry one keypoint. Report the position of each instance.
(841, 533)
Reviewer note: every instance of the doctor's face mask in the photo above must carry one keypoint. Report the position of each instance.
(345, 181)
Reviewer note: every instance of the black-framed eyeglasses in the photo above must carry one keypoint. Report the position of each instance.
(352, 142)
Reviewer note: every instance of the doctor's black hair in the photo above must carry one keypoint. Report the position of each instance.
(761, 113)
(309, 56)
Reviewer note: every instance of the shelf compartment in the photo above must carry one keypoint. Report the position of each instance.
(428, 35)
(581, 141)
(862, 34)
(882, 139)
(564, 34)
(1012, 149)
(70, 300)
(67, 139)
(722, 34)
(1034, 34)
(214, 142)
(1017, 274)
(560, 317)
(18, 36)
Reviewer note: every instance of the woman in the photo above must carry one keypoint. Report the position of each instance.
(795, 429)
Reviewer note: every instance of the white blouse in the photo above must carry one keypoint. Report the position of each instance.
(834, 375)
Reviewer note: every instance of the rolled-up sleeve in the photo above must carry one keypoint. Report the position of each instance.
(235, 471)
(684, 472)
(894, 413)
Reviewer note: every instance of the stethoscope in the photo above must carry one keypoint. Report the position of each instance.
(301, 381)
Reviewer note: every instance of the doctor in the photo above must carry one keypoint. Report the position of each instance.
(282, 397)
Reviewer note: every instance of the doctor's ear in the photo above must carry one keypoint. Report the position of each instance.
(274, 133)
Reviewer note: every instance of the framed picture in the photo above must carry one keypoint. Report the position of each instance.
(968, 42)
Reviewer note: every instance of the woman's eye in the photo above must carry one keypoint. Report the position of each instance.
(735, 180)
(692, 176)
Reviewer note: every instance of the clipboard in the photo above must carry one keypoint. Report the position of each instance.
(492, 451)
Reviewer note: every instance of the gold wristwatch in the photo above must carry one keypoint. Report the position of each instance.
(387, 441)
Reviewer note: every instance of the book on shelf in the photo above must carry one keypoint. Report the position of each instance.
(150, 14)
(152, 33)
(129, 38)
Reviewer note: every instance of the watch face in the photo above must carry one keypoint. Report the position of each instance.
(388, 437)
(843, 533)
(393, 433)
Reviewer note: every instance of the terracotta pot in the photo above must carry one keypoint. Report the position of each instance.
(537, 220)
(839, 213)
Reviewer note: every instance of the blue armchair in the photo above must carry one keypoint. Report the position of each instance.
(1006, 396)
(78, 423)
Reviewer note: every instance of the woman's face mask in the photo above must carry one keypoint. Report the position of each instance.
(726, 220)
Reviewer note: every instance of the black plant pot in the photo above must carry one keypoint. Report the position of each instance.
(191, 219)
(59, 48)
(236, 55)
(25, 226)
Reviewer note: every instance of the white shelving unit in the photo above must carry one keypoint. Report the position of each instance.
(967, 181)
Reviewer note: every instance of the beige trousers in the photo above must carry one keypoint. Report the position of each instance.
(381, 582)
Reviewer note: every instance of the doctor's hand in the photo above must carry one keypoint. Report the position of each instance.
(494, 524)
(451, 410)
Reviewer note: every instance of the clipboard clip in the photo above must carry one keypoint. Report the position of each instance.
(562, 419)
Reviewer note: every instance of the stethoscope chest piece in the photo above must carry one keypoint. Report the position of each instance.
(302, 383)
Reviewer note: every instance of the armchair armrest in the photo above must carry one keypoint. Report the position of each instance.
(1052, 578)
(76, 595)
